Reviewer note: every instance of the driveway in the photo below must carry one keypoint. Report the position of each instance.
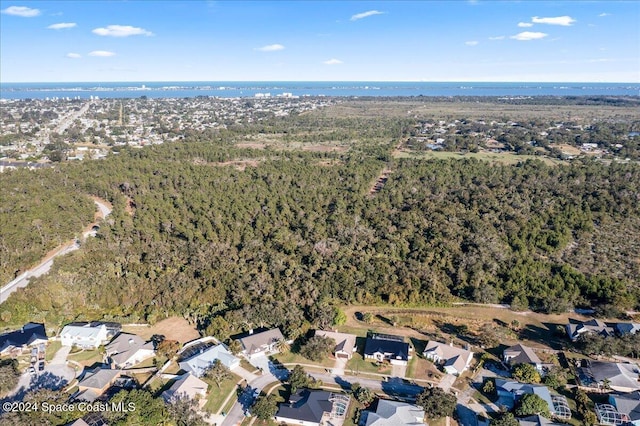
(447, 382)
(398, 371)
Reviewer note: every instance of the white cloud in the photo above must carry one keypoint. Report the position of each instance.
(270, 48)
(525, 24)
(565, 21)
(529, 35)
(121, 31)
(497, 38)
(25, 12)
(471, 43)
(366, 14)
(332, 61)
(62, 26)
(102, 53)
(74, 55)
(603, 14)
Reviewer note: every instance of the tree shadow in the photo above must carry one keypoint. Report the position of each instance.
(47, 380)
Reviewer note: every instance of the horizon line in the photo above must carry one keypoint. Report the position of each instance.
(320, 81)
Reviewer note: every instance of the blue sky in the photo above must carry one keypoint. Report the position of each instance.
(464, 40)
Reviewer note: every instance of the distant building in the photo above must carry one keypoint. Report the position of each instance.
(262, 343)
(312, 407)
(199, 363)
(395, 413)
(383, 347)
(452, 359)
(521, 354)
(345, 343)
(30, 335)
(575, 330)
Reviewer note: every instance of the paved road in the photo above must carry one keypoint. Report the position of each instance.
(236, 415)
(44, 267)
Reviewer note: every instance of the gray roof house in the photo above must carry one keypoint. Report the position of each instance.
(262, 343)
(453, 360)
(621, 377)
(537, 420)
(510, 393)
(187, 386)
(127, 350)
(521, 354)
(96, 382)
(200, 362)
(345, 343)
(395, 413)
(575, 329)
(312, 407)
(628, 405)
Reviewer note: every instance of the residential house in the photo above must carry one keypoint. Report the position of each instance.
(627, 328)
(395, 413)
(627, 406)
(510, 393)
(127, 350)
(453, 360)
(96, 382)
(381, 347)
(521, 354)
(617, 376)
(576, 329)
(312, 407)
(199, 363)
(30, 335)
(345, 343)
(187, 386)
(262, 343)
(88, 335)
(537, 420)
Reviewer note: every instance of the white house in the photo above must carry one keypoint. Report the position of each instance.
(453, 360)
(395, 413)
(84, 336)
(200, 362)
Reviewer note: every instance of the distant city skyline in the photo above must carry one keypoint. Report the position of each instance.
(464, 40)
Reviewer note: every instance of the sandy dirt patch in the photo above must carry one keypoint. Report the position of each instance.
(173, 328)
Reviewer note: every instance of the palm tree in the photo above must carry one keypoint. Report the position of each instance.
(282, 346)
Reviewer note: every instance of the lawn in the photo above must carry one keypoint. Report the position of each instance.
(359, 365)
(422, 369)
(86, 357)
(52, 348)
(218, 395)
(292, 358)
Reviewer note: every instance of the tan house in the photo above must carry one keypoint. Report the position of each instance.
(345, 343)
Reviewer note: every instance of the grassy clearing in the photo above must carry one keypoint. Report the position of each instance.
(218, 395)
(502, 157)
(359, 365)
(292, 358)
(86, 357)
(422, 369)
(52, 348)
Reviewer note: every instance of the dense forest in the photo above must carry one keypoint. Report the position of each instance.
(284, 239)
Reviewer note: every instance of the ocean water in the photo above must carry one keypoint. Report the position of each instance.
(250, 89)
